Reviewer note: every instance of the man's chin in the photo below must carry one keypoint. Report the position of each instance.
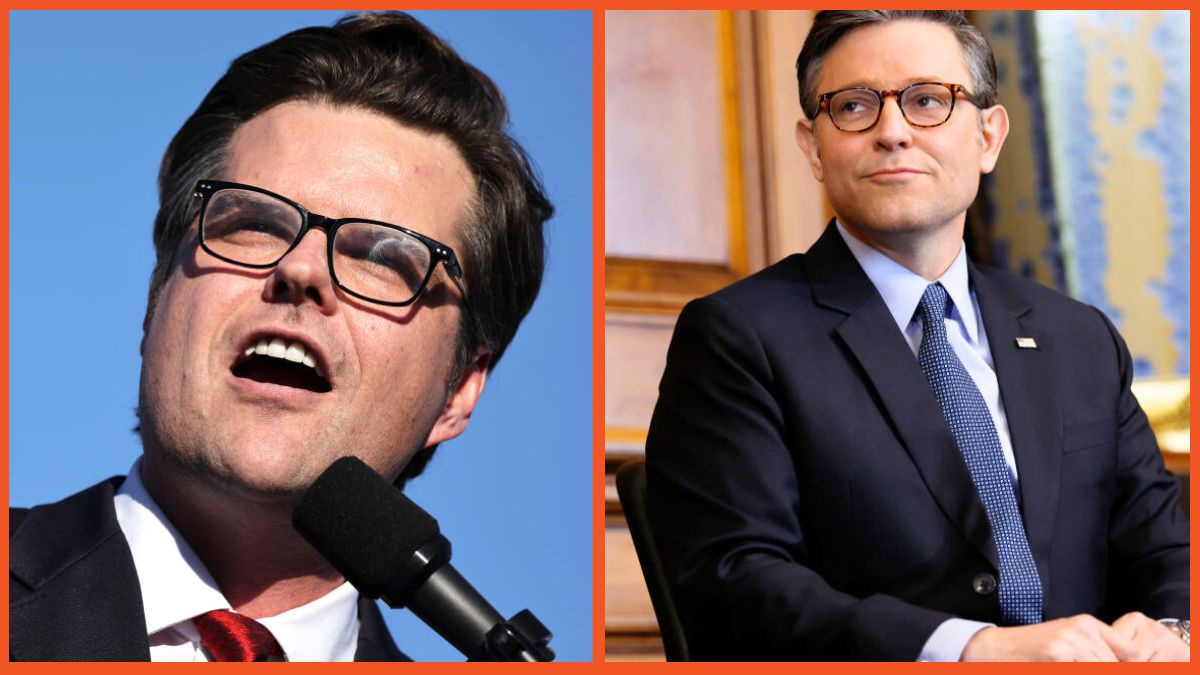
(262, 490)
(896, 220)
(259, 478)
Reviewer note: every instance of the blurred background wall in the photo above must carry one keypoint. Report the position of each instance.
(704, 184)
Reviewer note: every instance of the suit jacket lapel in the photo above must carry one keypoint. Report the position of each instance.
(1027, 390)
(84, 602)
(374, 641)
(870, 333)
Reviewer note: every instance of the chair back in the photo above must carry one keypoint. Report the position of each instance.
(631, 488)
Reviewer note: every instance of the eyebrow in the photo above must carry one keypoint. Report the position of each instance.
(906, 82)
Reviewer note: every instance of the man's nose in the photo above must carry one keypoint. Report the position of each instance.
(892, 130)
(303, 275)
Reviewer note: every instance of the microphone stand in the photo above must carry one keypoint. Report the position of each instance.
(462, 615)
(368, 530)
(521, 638)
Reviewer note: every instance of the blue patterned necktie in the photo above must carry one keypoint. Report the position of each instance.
(975, 433)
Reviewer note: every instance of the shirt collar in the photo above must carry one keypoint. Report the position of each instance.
(901, 288)
(325, 629)
(176, 586)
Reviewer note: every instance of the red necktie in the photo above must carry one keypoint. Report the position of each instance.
(234, 637)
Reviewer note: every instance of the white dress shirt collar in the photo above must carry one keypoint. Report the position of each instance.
(902, 288)
(176, 586)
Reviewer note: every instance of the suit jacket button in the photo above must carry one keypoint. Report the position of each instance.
(984, 584)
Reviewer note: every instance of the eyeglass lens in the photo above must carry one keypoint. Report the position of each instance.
(923, 105)
(376, 261)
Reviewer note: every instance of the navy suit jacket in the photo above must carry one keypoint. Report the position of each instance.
(74, 592)
(809, 500)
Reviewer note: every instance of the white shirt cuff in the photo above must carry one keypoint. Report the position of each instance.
(949, 640)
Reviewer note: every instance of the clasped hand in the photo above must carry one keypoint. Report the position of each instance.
(1133, 637)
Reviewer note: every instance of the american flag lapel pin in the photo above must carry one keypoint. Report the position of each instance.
(1026, 343)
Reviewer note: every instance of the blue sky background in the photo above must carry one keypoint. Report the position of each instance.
(95, 98)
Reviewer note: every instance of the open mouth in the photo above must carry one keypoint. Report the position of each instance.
(287, 363)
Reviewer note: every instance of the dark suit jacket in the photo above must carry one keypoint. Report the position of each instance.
(809, 500)
(74, 593)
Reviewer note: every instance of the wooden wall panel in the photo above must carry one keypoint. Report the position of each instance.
(675, 202)
(663, 106)
(796, 208)
(627, 607)
(704, 184)
(635, 352)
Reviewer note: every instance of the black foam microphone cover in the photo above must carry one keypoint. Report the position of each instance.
(364, 526)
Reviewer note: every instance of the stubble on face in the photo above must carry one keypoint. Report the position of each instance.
(388, 366)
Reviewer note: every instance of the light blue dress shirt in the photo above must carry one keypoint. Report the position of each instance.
(901, 290)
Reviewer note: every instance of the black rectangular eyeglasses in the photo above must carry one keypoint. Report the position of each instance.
(371, 260)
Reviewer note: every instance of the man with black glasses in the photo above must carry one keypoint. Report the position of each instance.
(346, 243)
(877, 450)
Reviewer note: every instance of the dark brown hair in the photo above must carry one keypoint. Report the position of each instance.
(829, 26)
(391, 64)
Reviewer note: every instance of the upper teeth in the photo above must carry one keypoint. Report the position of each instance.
(283, 349)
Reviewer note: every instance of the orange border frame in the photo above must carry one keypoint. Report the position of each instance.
(597, 666)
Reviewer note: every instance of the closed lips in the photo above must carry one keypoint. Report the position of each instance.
(892, 171)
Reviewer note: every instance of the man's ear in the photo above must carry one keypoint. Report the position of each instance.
(461, 402)
(807, 140)
(993, 129)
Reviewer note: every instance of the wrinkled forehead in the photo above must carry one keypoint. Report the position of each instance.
(892, 55)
